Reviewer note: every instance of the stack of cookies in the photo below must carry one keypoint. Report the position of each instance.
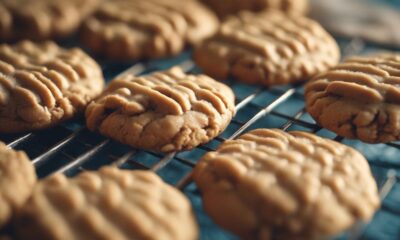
(265, 184)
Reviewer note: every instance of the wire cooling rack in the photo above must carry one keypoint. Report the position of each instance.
(70, 148)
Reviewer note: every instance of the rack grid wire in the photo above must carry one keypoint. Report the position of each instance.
(71, 148)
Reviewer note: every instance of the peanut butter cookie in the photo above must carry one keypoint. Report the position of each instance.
(136, 29)
(269, 184)
(17, 179)
(165, 111)
(359, 99)
(108, 204)
(42, 19)
(268, 48)
(225, 8)
(43, 84)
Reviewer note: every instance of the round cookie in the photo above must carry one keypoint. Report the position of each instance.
(42, 19)
(269, 184)
(17, 179)
(165, 111)
(43, 84)
(136, 29)
(225, 8)
(108, 204)
(360, 98)
(268, 48)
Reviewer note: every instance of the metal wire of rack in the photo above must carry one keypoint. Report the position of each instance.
(71, 148)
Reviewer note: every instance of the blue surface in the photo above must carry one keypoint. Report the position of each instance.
(385, 225)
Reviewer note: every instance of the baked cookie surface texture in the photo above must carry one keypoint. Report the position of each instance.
(107, 204)
(165, 111)
(359, 98)
(137, 29)
(17, 179)
(269, 184)
(268, 48)
(43, 84)
(225, 8)
(42, 19)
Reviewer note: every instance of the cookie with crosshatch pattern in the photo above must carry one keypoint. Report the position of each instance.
(106, 204)
(136, 29)
(165, 111)
(360, 98)
(17, 178)
(224, 8)
(270, 184)
(42, 19)
(42, 84)
(268, 48)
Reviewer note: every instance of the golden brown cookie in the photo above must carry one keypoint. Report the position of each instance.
(17, 179)
(108, 204)
(135, 29)
(43, 84)
(42, 19)
(360, 98)
(165, 111)
(269, 184)
(268, 48)
(225, 8)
